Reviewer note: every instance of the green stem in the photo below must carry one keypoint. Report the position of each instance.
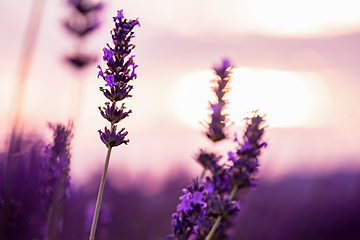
(203, 173)
(218, 220)
(233, 191)
(213, 229)
(99, 197)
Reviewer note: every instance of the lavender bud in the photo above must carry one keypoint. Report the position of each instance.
(111, 138)
(113, 114)
(207, 160)
(117, 92)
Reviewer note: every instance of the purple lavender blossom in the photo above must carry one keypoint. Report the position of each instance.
(191, 199)
(110, 81)
(82, 21)
(245, 162)
(108, 55)
(113, 138)
(224, 180)
(218, 207)
(120, 71)
(191, 208)
(56, 163)
(120, 67)
(206, 159)
(117, 92)
(227, 179)
(216, 131)
(219, 179)
(55, 177)
(113, 114)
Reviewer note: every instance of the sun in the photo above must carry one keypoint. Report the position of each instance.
(288, 99)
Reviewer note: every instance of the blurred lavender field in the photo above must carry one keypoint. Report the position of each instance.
(325, 207)
(295, 208)
(301, 71)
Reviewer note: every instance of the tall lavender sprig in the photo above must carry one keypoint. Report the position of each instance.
(224, 180)
(216, 126)
(209, 161)
(120, 71)
(239, 173)
(55, 179)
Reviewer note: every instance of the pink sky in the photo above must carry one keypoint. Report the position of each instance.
(179, 38)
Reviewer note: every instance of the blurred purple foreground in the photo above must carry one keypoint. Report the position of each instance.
(295, 208)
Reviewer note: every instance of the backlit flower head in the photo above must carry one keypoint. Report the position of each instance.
(245, 160)
(218, 120)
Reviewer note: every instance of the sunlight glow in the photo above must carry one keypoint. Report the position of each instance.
(305, 17)
(276, 17)
(288, 99)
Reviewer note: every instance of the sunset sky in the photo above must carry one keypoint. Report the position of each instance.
(296, 61)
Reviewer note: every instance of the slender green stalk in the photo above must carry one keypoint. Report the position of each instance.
(213, 229)
(99, 198)
(218, 220)
(233, 191)
(203, 173)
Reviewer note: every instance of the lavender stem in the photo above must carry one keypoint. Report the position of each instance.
(213, 229)
(218, 220)
(99, 198)
(203, 173)
(233, 191)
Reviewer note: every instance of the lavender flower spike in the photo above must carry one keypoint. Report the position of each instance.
(224, 179)
(240, 174)
(245, 161)
(218, 118)
(55, 178)
(120, 71)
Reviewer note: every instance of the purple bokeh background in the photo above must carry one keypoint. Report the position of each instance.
(308, 175)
